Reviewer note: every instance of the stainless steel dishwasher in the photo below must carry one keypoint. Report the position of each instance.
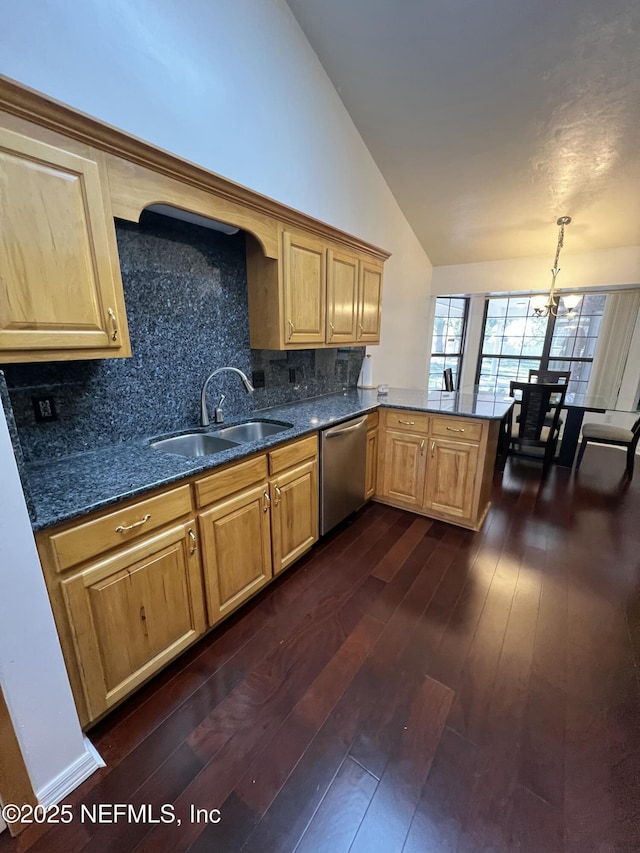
(343, 459)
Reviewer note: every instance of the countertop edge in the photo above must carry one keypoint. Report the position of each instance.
(41, 522)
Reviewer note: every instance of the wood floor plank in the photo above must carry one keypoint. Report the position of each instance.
(386, 824)
(441, 813)
(340, 813)
(395, 557)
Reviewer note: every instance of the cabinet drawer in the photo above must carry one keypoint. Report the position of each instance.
(232, 479)
(410, 421)
(291, 454)
(456, 428)
(91, 538)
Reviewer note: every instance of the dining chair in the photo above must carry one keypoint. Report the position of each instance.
(608, 434)
(539, 375)
(538, 425)
(447, 377)
(561, 376)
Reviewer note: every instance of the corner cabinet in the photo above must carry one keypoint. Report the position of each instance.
(319, 295)
(60, 287)
(437, 465)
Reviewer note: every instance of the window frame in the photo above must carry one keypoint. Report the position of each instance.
(545, 357)
(461, 354)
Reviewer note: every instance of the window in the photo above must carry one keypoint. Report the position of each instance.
(448, 340)
(515, 342)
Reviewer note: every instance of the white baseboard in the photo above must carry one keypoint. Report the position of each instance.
(74, 775)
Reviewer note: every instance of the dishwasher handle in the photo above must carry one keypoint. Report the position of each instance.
(335, 432)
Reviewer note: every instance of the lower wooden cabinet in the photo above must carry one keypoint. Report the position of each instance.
(440, 466)
(257, 518)
(132, 612)
(236, 549)
(404, 468)
(294, 513)
(452, 471)
(371, 470)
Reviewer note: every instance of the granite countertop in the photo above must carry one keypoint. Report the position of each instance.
(71, 486)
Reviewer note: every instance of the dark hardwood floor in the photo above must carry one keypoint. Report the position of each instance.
(408, 686)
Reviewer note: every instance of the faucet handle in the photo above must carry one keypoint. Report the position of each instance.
(219, 414)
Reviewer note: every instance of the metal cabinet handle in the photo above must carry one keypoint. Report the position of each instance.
(453, 429)
(194, 542)
(125, 528)
(292, 329)
(143, 619)
(114, 323)
(360, 330)
(331, 331)
(266, 503)
(278, 496)
(433, 448)
(422, 447)
(406, 423)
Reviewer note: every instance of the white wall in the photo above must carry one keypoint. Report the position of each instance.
(234, 87)
(600, 268)
(32, 672)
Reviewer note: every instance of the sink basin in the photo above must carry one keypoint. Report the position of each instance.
(252, 430)
(193, 444)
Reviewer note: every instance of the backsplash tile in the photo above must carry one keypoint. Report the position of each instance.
(186, 295)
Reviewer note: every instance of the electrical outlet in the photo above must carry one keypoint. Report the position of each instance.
(292, 374)
(44, 409)
(257, 379)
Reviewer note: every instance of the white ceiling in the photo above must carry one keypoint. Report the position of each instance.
(491, 118)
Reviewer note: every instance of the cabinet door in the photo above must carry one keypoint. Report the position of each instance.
(372, 464)
(342, 297)
(304, 283)
(369, 302)
(235, 549)
(133, 612)
(294, 513)
(404, 468)
(58, 278)
(451, 477)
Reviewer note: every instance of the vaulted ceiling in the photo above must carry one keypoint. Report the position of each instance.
(490, 119)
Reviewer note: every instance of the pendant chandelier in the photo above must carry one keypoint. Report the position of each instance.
(550, 305)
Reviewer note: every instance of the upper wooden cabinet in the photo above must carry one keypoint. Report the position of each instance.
(304, 289)
(60, 287)
(342, 297)
(369, 302)
(318, 295)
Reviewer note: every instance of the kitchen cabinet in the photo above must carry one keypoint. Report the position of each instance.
(294, 513)
(369, 302)
(134, 611)
(319, 295)
(452, 471)
(342, 297)
(263, 517)
(437, 465)
(60, 288)
(236, 543)
(404, 468)
(371, 470)
(126, 592)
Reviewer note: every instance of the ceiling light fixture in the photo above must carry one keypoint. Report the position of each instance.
(543, 307)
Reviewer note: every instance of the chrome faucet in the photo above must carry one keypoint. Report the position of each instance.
(219, 415)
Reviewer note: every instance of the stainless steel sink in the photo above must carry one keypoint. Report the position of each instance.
(252, 430)
(193, 444)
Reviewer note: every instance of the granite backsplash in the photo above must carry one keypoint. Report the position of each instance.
(186, 294)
